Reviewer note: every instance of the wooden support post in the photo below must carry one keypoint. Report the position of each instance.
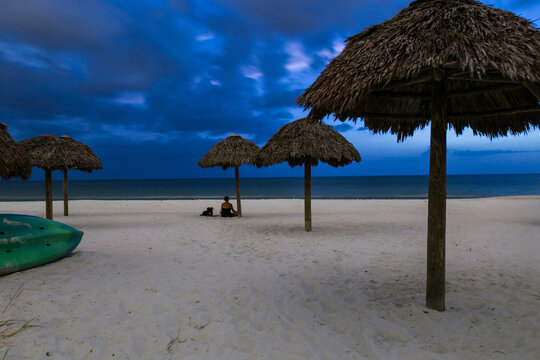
(48, 195)
(238, 202)
(307, 194)
(66, 209)
(435, 287)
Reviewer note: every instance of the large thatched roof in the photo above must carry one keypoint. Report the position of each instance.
(490, 60)
(14, 161)
(78, 155)
(53, 153)
(306, 140)
(45, 152)
(230, 152)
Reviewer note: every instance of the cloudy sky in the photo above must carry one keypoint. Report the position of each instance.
(152, 85)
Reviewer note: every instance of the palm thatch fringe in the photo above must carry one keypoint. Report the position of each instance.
(14, 161)
(79, 156)
(53, 153)
(386, 72)
(306, 140)
(233, 151)
(45, 152)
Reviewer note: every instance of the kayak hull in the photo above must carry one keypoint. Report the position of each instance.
(29, 241)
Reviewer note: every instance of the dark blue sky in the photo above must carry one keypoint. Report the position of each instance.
(152, 85)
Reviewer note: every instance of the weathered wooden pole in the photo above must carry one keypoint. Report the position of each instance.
(238, 203)
(307, 194)
(66, 209)
(435, 287)
(48, 194)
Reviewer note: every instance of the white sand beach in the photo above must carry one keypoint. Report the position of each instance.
(260, 287)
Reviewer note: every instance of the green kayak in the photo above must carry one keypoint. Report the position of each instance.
(28, 241)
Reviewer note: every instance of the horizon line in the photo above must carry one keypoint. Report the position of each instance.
(274, 177)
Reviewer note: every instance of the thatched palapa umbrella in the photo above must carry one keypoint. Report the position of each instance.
(14, 161)
(78, 157)
(46, 153)
(231, 152)
(51, 153)
(306, 142)
(456, 63)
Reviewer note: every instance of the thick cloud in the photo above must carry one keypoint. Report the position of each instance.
(57, 24)
(302, 16)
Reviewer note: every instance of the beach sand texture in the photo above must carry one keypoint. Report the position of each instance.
(154, 280)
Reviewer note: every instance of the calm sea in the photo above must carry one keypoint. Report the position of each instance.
(353, 187)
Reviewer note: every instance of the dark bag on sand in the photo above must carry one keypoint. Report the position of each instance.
(208, 212)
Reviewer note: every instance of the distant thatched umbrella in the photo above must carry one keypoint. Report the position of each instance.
(78, 156)
(306, 142)
(458, 63)
(51, 153)
(46, 153)
(14, 161)
(231, 152)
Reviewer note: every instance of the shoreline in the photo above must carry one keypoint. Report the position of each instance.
(284, 198)
(287, 177)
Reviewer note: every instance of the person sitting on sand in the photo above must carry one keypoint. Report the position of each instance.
(227, 209)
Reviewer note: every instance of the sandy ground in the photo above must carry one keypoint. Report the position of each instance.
(154, 280)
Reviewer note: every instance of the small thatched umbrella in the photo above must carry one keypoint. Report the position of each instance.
(78, 157)
(306, 142)
(14, 161)
(456, 63)
(45, 152)
(231, 152)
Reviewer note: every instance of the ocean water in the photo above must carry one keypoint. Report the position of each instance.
(351, 187)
